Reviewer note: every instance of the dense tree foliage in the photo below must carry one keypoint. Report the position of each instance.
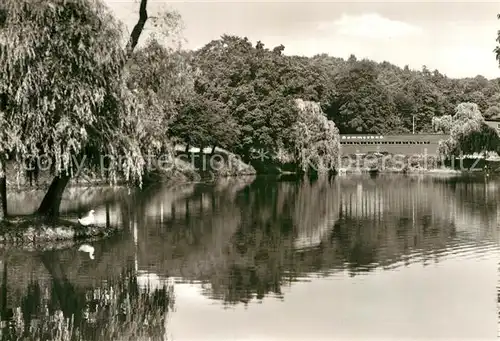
(316, 139)
(442, 124)
(61, 67)
(203, 122)
(468, 132)
(62, 80)
(361, 104)
(160, 76)
(68, 89)
(251, 84)
(256, 86)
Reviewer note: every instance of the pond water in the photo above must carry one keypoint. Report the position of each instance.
(354, 257)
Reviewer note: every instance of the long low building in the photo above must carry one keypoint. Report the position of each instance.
(397, 144)
(495, 124)
(394, 144)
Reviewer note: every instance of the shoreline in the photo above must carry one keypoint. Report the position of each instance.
(31, 232)
(35, 234)
(403, 171)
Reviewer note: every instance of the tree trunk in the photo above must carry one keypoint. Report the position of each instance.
(52, 199)
(213, 150)
(71, 301)
(3, 191)
(3, 197)
(108, 223)
(124, 209)
(139, 26)
(214, 205)
(3, 293)
(203, 161)
(187, 149)
(246, 157)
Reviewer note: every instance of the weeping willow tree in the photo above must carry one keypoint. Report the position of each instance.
(64, 95)
(468, 131)
(315, 139)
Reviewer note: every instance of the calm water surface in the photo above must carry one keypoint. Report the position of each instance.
(388, 258)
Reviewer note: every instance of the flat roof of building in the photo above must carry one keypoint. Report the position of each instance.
(400, 137)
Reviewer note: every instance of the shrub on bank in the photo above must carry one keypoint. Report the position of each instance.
(216, 163)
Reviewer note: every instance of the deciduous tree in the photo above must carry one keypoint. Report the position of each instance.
(204, 122)
(364, 106)
(315, 139)
(249, 82)
(469, 133)
(161, 77)
(61, 67)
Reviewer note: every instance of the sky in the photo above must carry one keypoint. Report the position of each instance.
(456, 38)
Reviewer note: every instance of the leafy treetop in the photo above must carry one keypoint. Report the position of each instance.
(468, 132)
(61, 66)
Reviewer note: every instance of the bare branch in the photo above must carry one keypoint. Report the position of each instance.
(138, 28)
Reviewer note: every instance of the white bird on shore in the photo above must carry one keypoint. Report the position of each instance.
(87, 248)
(87, 220)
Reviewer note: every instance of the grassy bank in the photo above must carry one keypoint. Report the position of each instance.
(32, 233)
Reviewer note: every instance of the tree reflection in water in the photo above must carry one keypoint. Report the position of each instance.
(119, 309)
(243, 240)
(352, 225)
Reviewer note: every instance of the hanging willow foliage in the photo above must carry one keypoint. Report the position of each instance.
(316, 139)
(61, 66)
(468, 133)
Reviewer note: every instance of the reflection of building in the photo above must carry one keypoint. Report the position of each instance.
(368, 201)
(150, 280)
(359, 203)
(312, 236)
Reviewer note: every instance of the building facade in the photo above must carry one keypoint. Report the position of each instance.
(495, 124)
(393, 144)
